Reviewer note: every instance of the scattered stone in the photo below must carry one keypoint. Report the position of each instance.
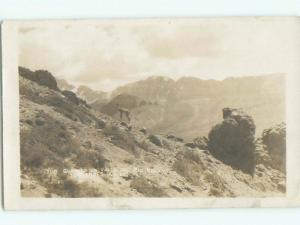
(143, 130)
(260, 168)
(281, 186)
(190, 145)
(155, 140)
(129, 161)
(39, 122)
(206, 152)
(189, 189)
(170, 136)
(201, 142)
(100, 124)
(179, 139)
(98, 147)
(174, 138)
(29, 122)
(124, 124)
(87, 144)
(215, 192)
(129, 176)
(176, 188)
(260, 174)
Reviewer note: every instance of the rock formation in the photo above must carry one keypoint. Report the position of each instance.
(274, 140)
(232, 141)
(42, 77)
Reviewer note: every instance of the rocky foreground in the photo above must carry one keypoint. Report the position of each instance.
(70, 150)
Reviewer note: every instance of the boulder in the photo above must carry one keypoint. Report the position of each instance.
(124, 124)
(281, 186)
(155, 140)
(100, 124)
(87, 144)
(42, 77)
(232, 141)
(174, 138)
(191, 145)
(143, 130)
(170, 136)
(178, 139)
(39, 121)
(201, 142)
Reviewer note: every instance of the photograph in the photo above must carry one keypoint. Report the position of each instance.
(151, 109)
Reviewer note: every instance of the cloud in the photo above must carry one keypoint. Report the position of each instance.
(108, 53)
(87, 56)
(178, 42)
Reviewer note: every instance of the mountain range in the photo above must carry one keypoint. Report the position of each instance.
(189, 106)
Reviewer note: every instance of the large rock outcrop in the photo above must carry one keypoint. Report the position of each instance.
(274, 140)
(42, 77)
(232, 141)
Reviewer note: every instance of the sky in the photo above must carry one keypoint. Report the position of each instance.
(105, 54)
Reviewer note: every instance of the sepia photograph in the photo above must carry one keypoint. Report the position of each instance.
(153, 109)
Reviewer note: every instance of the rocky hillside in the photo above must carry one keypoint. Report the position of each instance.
(71, 150)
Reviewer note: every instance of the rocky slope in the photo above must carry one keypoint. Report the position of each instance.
(71, 150)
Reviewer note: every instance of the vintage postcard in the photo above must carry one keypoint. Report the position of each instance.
(151, 113)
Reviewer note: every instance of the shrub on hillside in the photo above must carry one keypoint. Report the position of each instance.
(121, 137)
(69, 188)
(147, 187)
(90, 159)
(46, 144)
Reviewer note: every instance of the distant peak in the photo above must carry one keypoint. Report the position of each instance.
(262, 76)
(187, 78)
(83, 87)
(160, 78)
